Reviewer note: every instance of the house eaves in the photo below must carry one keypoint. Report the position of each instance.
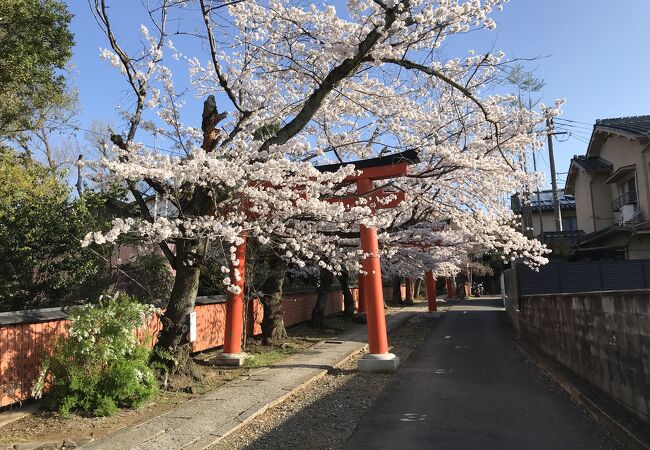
(589, 165)
(621, 173)
(631, 229)
(634, 128)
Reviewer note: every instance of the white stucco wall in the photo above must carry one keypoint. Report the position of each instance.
(621, 151)
(582, 194)
(639, 247)
(548, 220)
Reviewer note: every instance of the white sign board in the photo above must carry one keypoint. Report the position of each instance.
(192, 326)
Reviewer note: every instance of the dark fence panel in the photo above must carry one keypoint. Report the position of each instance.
(621, 275)
(583, 276)
(546, 280)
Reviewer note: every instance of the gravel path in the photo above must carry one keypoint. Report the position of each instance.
(324, 414)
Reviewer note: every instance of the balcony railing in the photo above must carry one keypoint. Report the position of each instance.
(568, 236)
(628, 198)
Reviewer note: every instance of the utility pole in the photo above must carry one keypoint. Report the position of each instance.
(526, 209)
(551, 160)
(539, 200)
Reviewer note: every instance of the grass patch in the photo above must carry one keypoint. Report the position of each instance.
(261, 358)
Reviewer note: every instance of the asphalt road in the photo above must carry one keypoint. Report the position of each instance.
(468, 386)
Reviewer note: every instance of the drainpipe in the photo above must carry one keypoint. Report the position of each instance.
(644, 157)
(591, 197)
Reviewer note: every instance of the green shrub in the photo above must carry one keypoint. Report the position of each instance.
(100, 366)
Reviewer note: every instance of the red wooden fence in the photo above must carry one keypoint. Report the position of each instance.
(22, 345)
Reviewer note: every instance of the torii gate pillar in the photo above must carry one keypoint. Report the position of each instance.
(370, 286)
(430, 281)
(409, 289)
(232, 354)
(378, 359)
(450, 289)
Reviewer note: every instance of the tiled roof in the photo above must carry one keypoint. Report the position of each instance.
(567, 202)
(636, 125)
(592, 164)
(408, 156)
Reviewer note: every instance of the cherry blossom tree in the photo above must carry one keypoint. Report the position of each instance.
(288, 86)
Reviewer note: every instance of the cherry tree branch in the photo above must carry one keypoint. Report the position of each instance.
(336, 75)
(459, 87)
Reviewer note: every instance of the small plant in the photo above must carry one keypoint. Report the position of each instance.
(100, 365)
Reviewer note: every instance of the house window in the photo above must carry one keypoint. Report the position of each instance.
(569, 224)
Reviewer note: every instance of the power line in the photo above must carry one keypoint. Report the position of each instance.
(573, 121)
(571, 128)
(577, 130)
(117, 268)
(577, 133)
(579, 138)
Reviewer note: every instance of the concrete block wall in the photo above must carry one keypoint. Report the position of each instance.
(511, 300)
(604, 337)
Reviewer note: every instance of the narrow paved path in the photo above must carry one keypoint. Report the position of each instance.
(468, 386)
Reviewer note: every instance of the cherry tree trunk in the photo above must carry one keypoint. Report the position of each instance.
(418, 287)
(397, 290)
(273, 330)
(173, 347)
(348, 299)
(325, 280)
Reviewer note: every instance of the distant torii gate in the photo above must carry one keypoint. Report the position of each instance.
(429, 279)
(370, 283)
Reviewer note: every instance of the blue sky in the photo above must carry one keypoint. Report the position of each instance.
(595, 53)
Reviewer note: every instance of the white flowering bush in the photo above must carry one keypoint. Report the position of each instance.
(100, 365)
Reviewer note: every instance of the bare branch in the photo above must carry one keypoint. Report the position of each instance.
(459, 87)
(213, 53)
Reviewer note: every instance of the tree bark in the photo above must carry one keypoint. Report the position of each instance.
(79, 184)
(348, 299)
(418, 288)
(173, 347)
(397, 291)
(273, 330)
(325, 280)
(452, 282)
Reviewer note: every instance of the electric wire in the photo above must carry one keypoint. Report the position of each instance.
(573, 121)
(577, 127)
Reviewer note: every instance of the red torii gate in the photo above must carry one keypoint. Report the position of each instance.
(370, 286)
(371, 294)
(429, 280)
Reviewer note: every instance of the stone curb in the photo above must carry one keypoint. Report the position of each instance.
(12, 415)
(279, 400)
(614, 426)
